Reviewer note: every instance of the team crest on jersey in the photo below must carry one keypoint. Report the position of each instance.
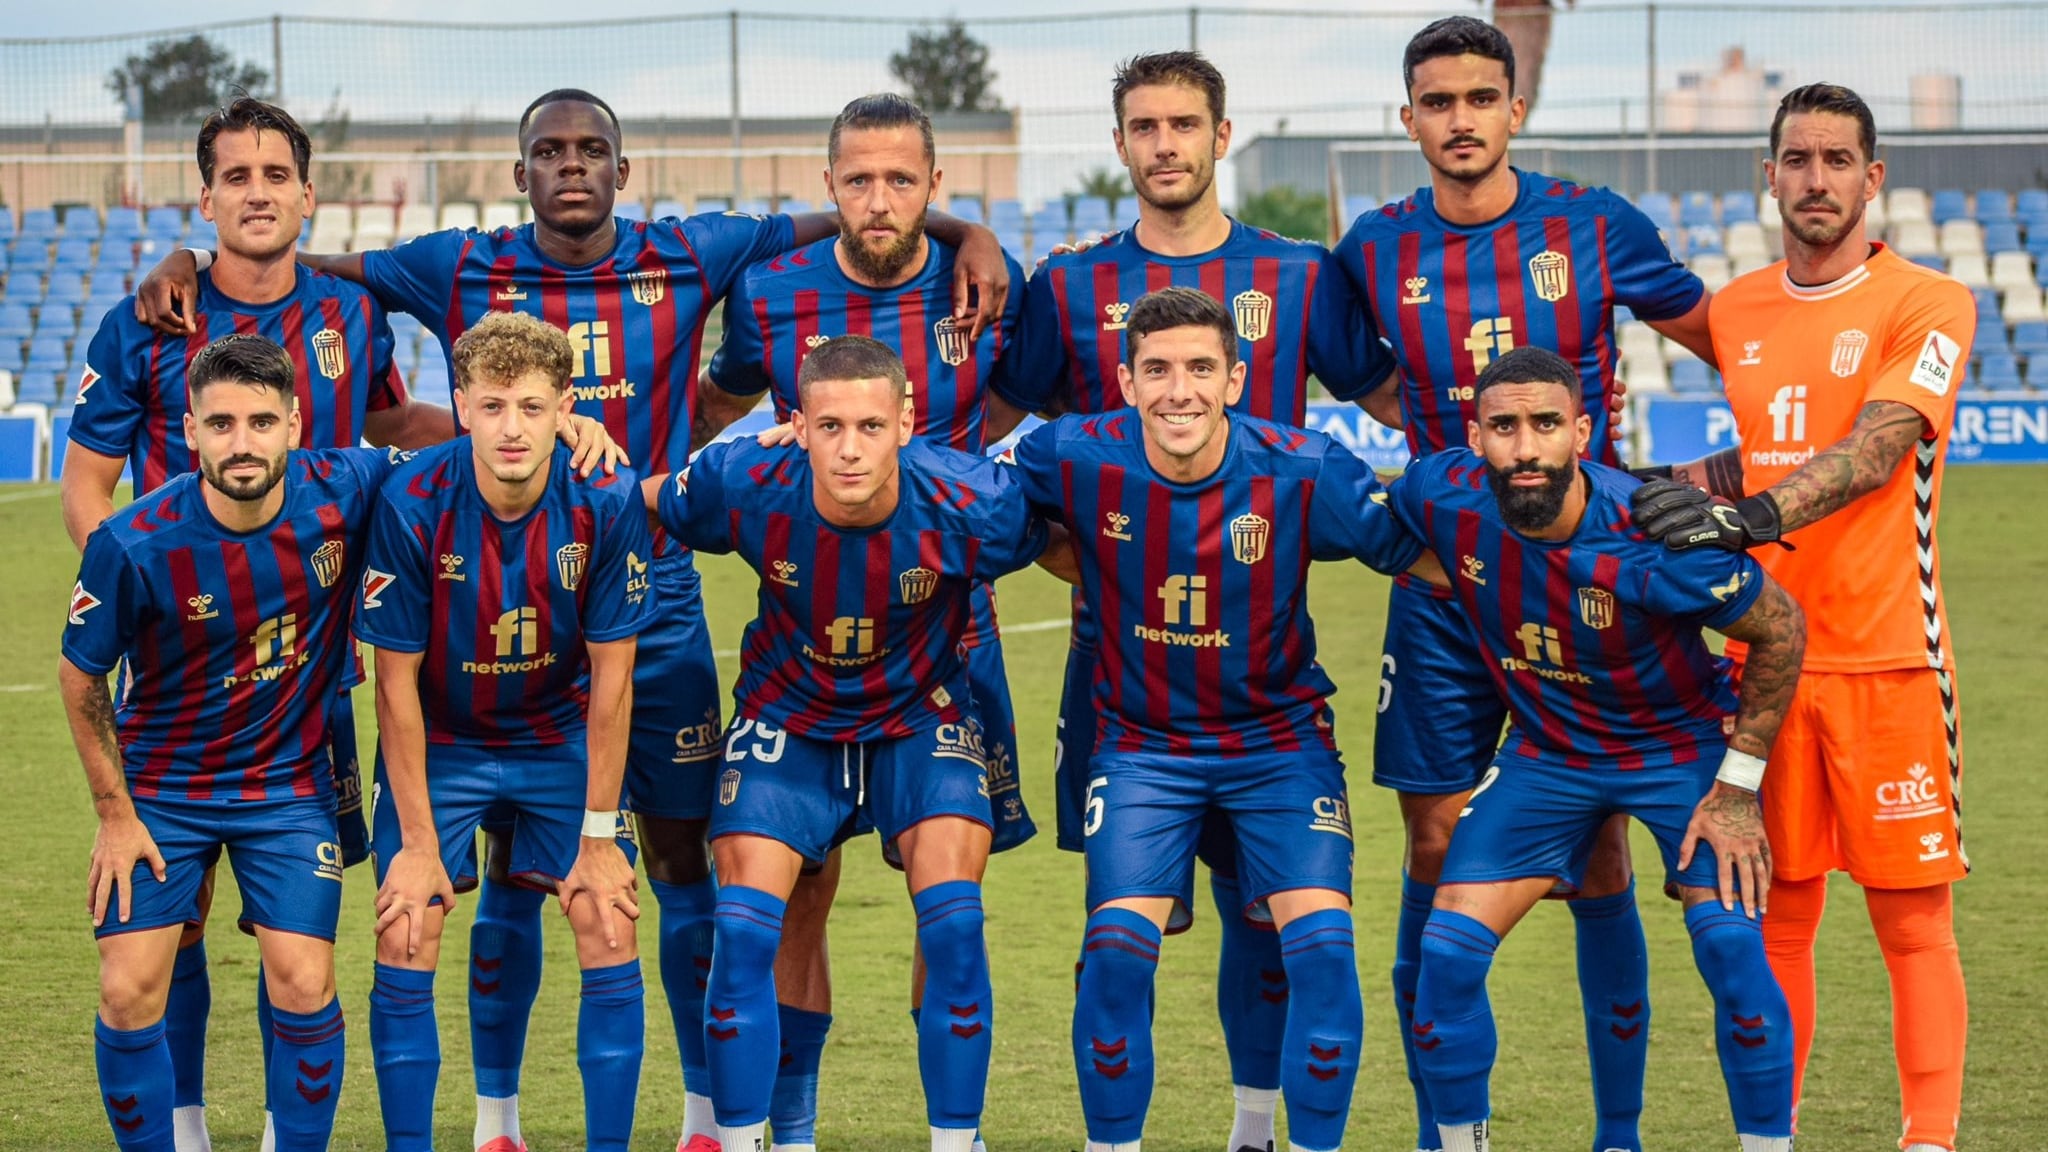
(374, 585)
(649, 285)
(917, 585)
(1248, 537)
(81, 603)
(327, 562)
(1116, 526)
(952, 337)
(1848, 355)
(1596, 607)
(570, 560)
(1552, 272)
(328, 354)
(1254, 312)
(783, 572)
(1415, 290)
(201, 607)
(1113, 316)
(451, 567)
(729, 787)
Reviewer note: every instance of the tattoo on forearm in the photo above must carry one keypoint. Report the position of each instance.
(1723, 473)
(1775, 630)
(98, 709)
(1858, 463)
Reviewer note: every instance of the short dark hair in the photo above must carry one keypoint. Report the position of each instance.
(881, 110)
(1187, 68)
(1457, 36)
(1178, 307)
(241, 358)
(567, 96)
(851, 358)
(246, 113)
(1832, 98)
(503, 346)
(1530, 364)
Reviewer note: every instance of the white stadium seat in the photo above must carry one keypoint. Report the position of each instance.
(2012, 270)
(415, 219)
(2022, 304)
(375, 226)
(1905, 204)
(1962, 236)
(333, 226)
(1914, 238)
(1969, 268)
(1746, 241)
(1713, 270)
(458, 214)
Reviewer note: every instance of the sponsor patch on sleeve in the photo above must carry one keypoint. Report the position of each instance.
(1936, 369)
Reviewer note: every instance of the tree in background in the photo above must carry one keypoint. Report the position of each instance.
(1112, 184)
(1289, 212)
(946, 70)
(185, 79)
(1526, 24)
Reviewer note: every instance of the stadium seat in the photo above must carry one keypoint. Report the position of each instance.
(48, 354)
(1738, 207)
(2031, 201)
(12, 362)
(124, 222)
(1660, 208)
(666, 208)
(501, 214)
(6, 223)
(1091, 215)
(2011, 269)
(1963, 235)
(414, 219)
(1744, 265)
(1997, 372)
(1697, 210)
(2002, 236)
(333, 228)
(1012, 241)
(1969, 268)
(2023, 305)
(713, 204)
(1004, 212)
(74, 253)
(39, 222)
(55, 322)
(1908, 204)
(16, 323)
(2037, 375)
(6, 389)
(2030, 339)
(967, 208)
(1712, 269)
(376, 224)
(1048, 227)
(1951, 204)
(459, 214)
(36, 387)
(100, 303)
(82, 220)
(752, 206)
(1914, 238)
(1691, 377)
(1767, 214)
(1932, 260)
(1702, 239)
(65, 287)
(1746, 241)
(202, 234)
(1991, 204)
(23, 289)
(1987, 307)
(795, 206)
(165, 218)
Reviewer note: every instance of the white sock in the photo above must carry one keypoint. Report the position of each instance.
(269, 1132)
(1784, 1144)
(188, 1129)
(794, 1148)
(1099, 1146)
(1921, 1147)
(747, 1138)
(1293, 1147)
(952, 1139)
(697, 1117)
(496, 1116)
(1465, 1137)
(1252, 1125)
(978, 1145)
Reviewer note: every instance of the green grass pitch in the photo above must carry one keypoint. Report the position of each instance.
(1997, 564)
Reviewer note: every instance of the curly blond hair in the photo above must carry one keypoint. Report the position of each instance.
(505, 346)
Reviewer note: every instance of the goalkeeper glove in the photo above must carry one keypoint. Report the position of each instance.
(1682, 517)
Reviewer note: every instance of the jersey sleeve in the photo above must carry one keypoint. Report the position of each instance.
(1645, 277)
(398, 592)
(418, 276)
(1037, 356)
(740, 364)
(1349, 517)
(387, 383)
(728, 243)
(1703, 586)
(692, 506)
(619, 601)
(1035, 460)
(1926, 347)
(110, 395)
(106, 605)
(1006, 331)
(1344, 348)
(1012, 536)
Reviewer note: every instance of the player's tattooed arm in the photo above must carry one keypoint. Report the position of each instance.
(1718, 475)
(122, 842)
(1857, 464)
(1775, 630)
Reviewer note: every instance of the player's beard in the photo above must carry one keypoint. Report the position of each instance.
(1531, 509)
(247, 491)
(1823, 233)
(1200, 178)
(886, 266)
(1474, 171)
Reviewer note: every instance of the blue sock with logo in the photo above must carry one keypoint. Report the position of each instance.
(1455, 1041)
(1251, 990)
(953, 1030)
(504, 979)
(685, 958)
(1113, 1024)
(793, 1107)
(742, 1035)
(1614, 989)
(405, 1047)
(305, 1072)
(1416, 898)
(184, 1024)
(1325, 1028)
(611, 1037)
(1752, 1023)
(135, 1084)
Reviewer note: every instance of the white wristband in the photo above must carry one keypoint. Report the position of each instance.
(202, 257)
(1740, 770)
(600, 825)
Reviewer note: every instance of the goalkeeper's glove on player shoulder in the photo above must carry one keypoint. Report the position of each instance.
(1682, 516)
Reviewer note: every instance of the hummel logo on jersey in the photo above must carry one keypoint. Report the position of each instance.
(1114, 316)
(451, 567)
(1115, 525)
(783, 572)
(815, 339)
(510, 294)
(202, 607)
(81, 603)
(374, 584)
(1470, 568)
(1416, 290)
(1752, 352)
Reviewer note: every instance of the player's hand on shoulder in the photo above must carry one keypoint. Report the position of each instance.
(1731, 822)
(121, 843)
(603, 876)
(981, 281)
(168, 297)
(591, 446)
(1682, 516)
(776, 435)
(415, 878)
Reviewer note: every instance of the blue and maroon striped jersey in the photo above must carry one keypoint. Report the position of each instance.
(132, 402)
(235, 642)
(503, 609)
(1549, 272)
(1293, 320)
(1594, 642)
(635, 317)
(858, 632)
(1202, 589)
(785, 306)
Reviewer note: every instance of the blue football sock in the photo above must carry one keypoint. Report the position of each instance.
(405, 1047)
(185, 1013)
(135, 1084)
(266, 1024)
(611, 1036)
(504, 978)
(742, 1036)
(1752, 1024)
(1325, 1029)
(1453, 1031)
(685, 958)
(1614, 989)
(1251, 990)
(1113, 1024)
(793, 1108)
(953, 1031)
(1416, 898)
(305, 1077)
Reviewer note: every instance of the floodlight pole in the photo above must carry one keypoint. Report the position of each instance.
(1650, 78)
(733, 68)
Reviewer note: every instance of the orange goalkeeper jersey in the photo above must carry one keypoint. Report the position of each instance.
(1800, 363)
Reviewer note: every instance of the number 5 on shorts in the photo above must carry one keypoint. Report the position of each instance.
(1095, 805)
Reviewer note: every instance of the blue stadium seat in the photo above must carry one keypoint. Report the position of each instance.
(1623, 314)
(11, 359)
(796, 207)
(74, 253)
(56, 322)
(967, 208)
(1692, 376)
(1702, 239)
(1091, 214)
(630, 210)
(124, 222)
(1950, 204)
(81, 220)
(16, 323)
(1012, 240)
(2037, 374)
(39, 222)
(1004, 212)
(6, 222)
(1696, 210)
(2031, 201)
(1997, 372)
(48, 354)
(23, 288)
(99, 304)
(165, 218)
(36, 387)
(2030, 339)
(115, 259)
(713, 204)
(2001, 236)
(202, 234)
(1659, 207)
(1993, 204)
(1987, 305)
(752, 207)
(1930, 260)
(665, 208)
(1738, 207)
